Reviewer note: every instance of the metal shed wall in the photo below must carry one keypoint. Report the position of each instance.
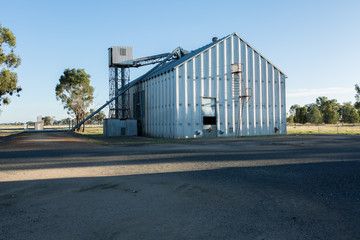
(173, 99)
(159, 115)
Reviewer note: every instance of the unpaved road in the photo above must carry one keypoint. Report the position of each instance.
(60, 186)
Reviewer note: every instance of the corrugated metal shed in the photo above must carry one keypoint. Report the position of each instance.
(175, 100)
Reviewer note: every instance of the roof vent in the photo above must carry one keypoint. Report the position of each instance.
(214, 39)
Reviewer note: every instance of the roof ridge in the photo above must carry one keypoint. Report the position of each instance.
(173, 64)
(169, 66)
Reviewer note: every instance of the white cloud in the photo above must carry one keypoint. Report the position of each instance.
(319, 92)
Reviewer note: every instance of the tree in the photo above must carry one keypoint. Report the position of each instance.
(47, 120)
(98, 118)
(292, 112)
(330, 114)
(300, 115)
(349, 113)
(75, 92)
(329, 109)
(290, 119)
(357, 96)
(65, 121)
(314, 115)
(8, 61)
(293, 109)
(320, 102)
(357, 105)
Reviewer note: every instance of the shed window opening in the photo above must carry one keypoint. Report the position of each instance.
(208, 109)
(209, 120)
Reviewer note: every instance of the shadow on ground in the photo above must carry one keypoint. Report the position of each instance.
(308, 201)
(313, 193)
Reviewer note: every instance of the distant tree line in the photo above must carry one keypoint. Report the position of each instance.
(326, 110)
(97, 119)
(51, 121)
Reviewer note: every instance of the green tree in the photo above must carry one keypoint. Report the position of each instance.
(8, 61)
(330, 114)
(290, 119)
(349, 113)
(320, 102)
(293, 109)
(47, 120)
(292, 112)
(357, 105)
(65, 121)
(329, 109)
(300, 115)
(98, 118)
(75, 92)
(357, 96)
(314, 115)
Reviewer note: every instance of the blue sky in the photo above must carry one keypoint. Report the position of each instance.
(316, 43)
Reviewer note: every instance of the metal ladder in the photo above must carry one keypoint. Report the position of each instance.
(239, 92)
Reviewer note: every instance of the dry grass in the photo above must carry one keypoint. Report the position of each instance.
(291, 129)
(323, 129)
(92, 130)
(6, 130)
(2, 127)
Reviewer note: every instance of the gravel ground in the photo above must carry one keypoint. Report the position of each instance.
(61, 186)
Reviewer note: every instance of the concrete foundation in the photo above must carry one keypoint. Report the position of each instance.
(117, 127)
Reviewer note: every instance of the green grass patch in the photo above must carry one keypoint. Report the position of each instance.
(91, 131)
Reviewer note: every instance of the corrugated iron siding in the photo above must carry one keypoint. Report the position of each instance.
(173, 99)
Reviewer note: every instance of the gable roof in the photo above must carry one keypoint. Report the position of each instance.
(173, 64)
(169, 66)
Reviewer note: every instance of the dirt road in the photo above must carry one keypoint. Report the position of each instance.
(61, 186)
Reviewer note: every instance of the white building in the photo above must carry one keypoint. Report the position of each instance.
(203, 94)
